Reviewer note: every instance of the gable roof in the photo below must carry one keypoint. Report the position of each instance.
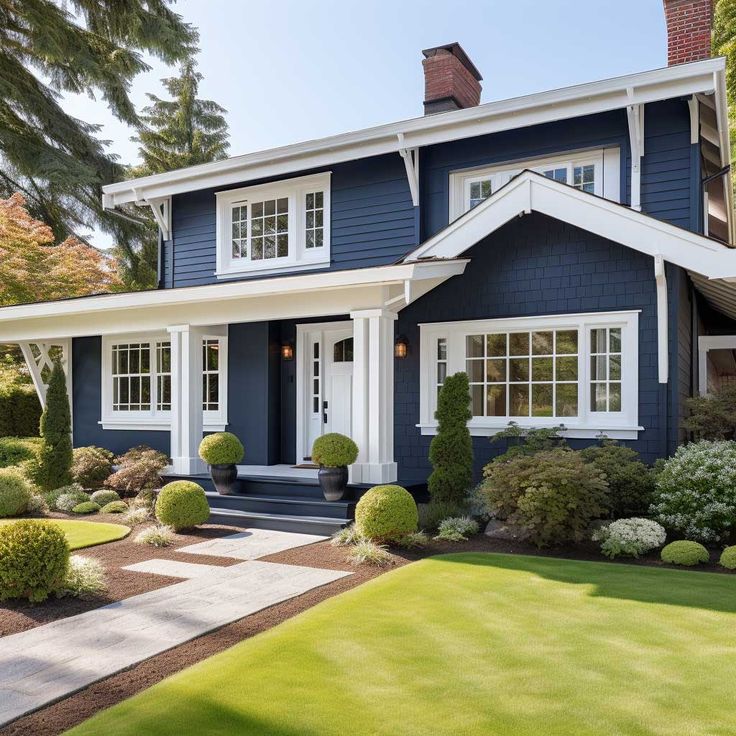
(711, 264)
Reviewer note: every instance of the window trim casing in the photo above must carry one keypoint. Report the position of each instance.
(300, 258)
(153, 420)
(607, 157)
(588, 424)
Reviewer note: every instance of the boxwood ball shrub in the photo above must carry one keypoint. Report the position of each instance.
(221, 448)
(386, 514)
(685, 552)
(15, 493)
(630, 537)
(104, 497)
(34, 556)
(114, 507)
(86, 507)
(728, 558)
(334, 450)
(182, 505)
(695, 493)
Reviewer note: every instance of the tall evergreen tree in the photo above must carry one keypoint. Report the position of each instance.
(49, 47)
(55, 458)
(724, 44)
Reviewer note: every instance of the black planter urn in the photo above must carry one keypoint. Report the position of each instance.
(333, 481)
(224, 477)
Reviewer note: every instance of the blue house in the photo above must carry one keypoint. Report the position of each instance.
(571, 251)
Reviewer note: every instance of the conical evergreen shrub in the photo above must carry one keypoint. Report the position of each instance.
(55, 458)
(451, 450)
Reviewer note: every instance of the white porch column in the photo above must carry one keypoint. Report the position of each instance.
(373, 396)
(186, 399)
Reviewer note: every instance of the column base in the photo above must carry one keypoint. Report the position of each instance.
(376, 473)
(188, 465)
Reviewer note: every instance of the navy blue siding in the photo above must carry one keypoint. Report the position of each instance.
(87, 403)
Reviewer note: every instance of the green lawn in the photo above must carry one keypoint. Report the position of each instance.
(81, 534)
(471, 644)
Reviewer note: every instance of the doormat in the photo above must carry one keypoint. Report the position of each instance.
(306, 466)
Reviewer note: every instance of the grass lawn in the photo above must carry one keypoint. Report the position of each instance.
(471, 644)
(81, 534)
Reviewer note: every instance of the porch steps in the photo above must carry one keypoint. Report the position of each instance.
(280, 522)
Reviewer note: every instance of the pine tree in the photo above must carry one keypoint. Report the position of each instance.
(52, 158)
(55, 457)
(451, 449)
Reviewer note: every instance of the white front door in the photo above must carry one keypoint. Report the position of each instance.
(324, 382)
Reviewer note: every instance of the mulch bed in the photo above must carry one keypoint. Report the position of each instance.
(58, 717)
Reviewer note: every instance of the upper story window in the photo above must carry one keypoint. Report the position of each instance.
(269, 227)
(597, 172)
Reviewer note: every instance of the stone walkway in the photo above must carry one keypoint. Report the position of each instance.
(53, 661)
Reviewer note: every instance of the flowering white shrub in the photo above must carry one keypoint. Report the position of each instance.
(696, 491)
(457, 529)
(630, 537)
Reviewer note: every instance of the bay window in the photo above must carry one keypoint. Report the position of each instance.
(578, 370)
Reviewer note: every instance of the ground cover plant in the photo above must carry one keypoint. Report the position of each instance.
(442, 625)
(630, 537)
(81, 534)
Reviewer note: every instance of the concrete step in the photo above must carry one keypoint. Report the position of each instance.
(290, 505)
(281, 522)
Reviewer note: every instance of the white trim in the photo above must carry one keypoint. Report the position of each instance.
(588, 422)
(161, 209)
(294, 190)
(706, 343)
(660, 278)
(411, 164)
(635, 117)
(680, 80)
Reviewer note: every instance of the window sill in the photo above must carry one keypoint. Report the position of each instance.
(573, 433)
(295, 266)
(162, 426)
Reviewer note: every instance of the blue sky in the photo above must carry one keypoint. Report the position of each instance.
(293, 70)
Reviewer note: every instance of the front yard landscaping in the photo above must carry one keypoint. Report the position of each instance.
(81, 534)
(471, 643)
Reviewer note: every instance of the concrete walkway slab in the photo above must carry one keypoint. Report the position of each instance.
(176, 569)
(251, 544)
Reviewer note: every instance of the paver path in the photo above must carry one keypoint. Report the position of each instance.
(251, 544)
(52, 661)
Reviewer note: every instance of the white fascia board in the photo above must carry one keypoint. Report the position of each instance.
(530, 191)
(584, 99)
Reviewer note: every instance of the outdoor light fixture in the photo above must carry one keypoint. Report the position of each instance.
(401, 348)
(287, 351)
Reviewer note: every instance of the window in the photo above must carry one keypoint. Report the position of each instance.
(137, 383)
(342, 351)
(597, 172)
(283, 225)
(576, 370)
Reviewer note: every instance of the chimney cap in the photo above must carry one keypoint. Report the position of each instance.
(457, 51)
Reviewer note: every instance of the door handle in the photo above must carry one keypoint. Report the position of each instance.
(325, 406)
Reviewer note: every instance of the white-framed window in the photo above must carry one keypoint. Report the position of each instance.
(580, 370)
(597, 172)
(136, 382)
(270, 227)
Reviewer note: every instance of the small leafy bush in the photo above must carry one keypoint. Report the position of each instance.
(114, 507)
(34, 556)
(630, 537)
(334, 450)
(386, 514)
(135, 516)
(15, 450)
(15, 493)
(69, 499)
(457, 529)
(36, 504)
(728, 558)
(85, 578)
(713, 417)
(86, 507)
(159, 535)
(346, 536)
(695, 492)
(552, 495)
(104, 497)
(685, 552)
(91, 466)
(477, 503)
(52, 497)
(432, 513)
(415, 540)
(138, 469)
(366, 552)
(182, 505)
(221, 448)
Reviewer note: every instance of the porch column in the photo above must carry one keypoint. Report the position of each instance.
(186, 399)
(373, 396)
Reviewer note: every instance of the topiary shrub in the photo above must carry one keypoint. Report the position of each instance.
(104, 497)
(55, 458)
(695, 493)
(138, 469)
(15, 450)
(334, 450)
(630, 537)
(630, 481)
(221, 448)
(91, 466)
(86, 507)
(69, 499)
(728, 558)
(114, 507)
(553, 496)
(451, 449)
(182, 505)
(685, 552)
(386, 514)
(34, 556)
(15, 493)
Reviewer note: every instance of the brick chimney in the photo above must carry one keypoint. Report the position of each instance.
(689, 25)
(451, 81)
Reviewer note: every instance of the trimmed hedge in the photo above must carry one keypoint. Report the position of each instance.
(728, 558)
(15, 493)
(386, 514)
(34, 557)
(182, 505)
(684, 552)
(221, 448)
(20, 410)
(16, 450)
